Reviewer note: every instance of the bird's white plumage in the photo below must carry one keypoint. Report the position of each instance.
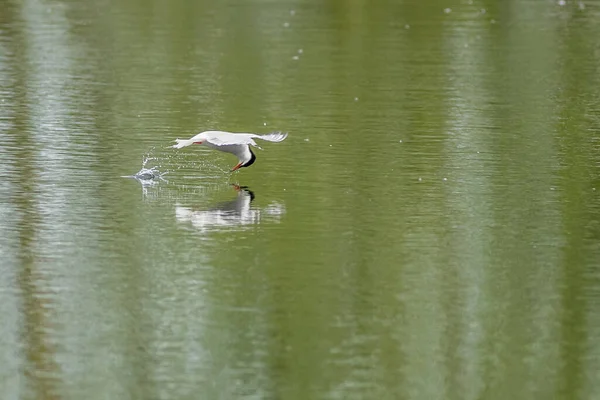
(234, 143)
(220, 138)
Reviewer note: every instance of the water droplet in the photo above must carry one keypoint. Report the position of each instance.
(493, 21)
(300, 51)
(307, 140)
(264, 124)
(400, 141)
(447, 10)
(295, 58)
(445, 179)
(420, 179)
(407, 26)
(581, 5)
(286, 24)
(482, 11)
(562, 2)
(292, 12)
(356, 99)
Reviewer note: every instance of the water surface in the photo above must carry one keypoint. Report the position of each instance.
(429, 230)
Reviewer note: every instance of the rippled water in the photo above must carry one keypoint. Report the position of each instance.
(429, 230)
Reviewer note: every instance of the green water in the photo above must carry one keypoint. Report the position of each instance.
(429, 230)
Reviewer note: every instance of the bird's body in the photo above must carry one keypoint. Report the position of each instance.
(237, 144)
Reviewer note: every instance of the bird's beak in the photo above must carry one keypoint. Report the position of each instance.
(198, 142)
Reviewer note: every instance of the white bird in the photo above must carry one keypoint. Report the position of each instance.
(237, 144)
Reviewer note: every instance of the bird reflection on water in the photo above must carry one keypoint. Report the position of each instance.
(231, 214)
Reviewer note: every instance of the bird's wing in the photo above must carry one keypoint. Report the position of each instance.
(272, 137)
(227, 139)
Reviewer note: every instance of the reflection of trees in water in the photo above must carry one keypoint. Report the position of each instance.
(36, 296)
(34, 351)
(41, 368)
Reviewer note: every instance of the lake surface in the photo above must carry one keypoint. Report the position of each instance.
(429, 230)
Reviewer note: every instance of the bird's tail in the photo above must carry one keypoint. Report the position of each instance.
(182, 143)
(274, 136)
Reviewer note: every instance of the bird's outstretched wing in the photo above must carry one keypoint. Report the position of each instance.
(272, 137)
(226, 138)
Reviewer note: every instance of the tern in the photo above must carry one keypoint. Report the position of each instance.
(237, 144)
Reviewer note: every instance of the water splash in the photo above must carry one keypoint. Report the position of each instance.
(148, 175)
